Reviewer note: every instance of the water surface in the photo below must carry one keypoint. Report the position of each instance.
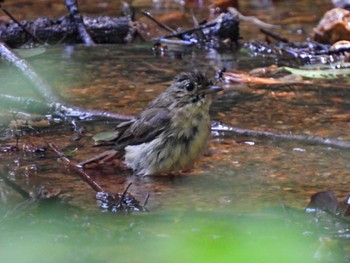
(243, 201)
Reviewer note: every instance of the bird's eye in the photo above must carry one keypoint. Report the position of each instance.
(189, 86)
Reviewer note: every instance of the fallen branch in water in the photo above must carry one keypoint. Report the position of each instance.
(219, 127)
(103, 29)
(87, 178)
(40, 86)
(51, 103)
(64, 112)
(123, 202)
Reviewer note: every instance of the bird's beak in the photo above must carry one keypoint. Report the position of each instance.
(213, 89)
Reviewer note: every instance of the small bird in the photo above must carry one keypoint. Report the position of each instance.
(170, 134)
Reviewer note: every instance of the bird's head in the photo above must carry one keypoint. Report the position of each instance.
(191, 87)
(187, 88)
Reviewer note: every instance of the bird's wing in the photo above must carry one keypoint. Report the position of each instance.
(109, 137)
(150, 123)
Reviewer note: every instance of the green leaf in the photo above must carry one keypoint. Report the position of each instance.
(105, 136)
(334, 65)
(319, 73)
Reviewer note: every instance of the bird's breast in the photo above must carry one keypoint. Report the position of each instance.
(191, 115)
(178, 146)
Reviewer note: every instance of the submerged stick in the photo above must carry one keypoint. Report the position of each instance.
(87, 178)
(218, 127)
(25, 104)
(146, 200)
(41, 87)
(51, 103)
(39, 107)
(113, 202)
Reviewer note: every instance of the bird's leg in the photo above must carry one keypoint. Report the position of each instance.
(102, 157)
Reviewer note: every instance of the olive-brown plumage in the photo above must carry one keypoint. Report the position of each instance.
(171, 132)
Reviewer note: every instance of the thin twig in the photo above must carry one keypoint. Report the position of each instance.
(274, 36)
(160, 24)
(87, 178)
(191, 30)
(146, 200)
(73, 9)
(21, 26)
(194, 19)
(276, 135)
(123, 195)
(201, 34)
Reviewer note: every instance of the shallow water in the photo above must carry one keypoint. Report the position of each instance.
(242, 202)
